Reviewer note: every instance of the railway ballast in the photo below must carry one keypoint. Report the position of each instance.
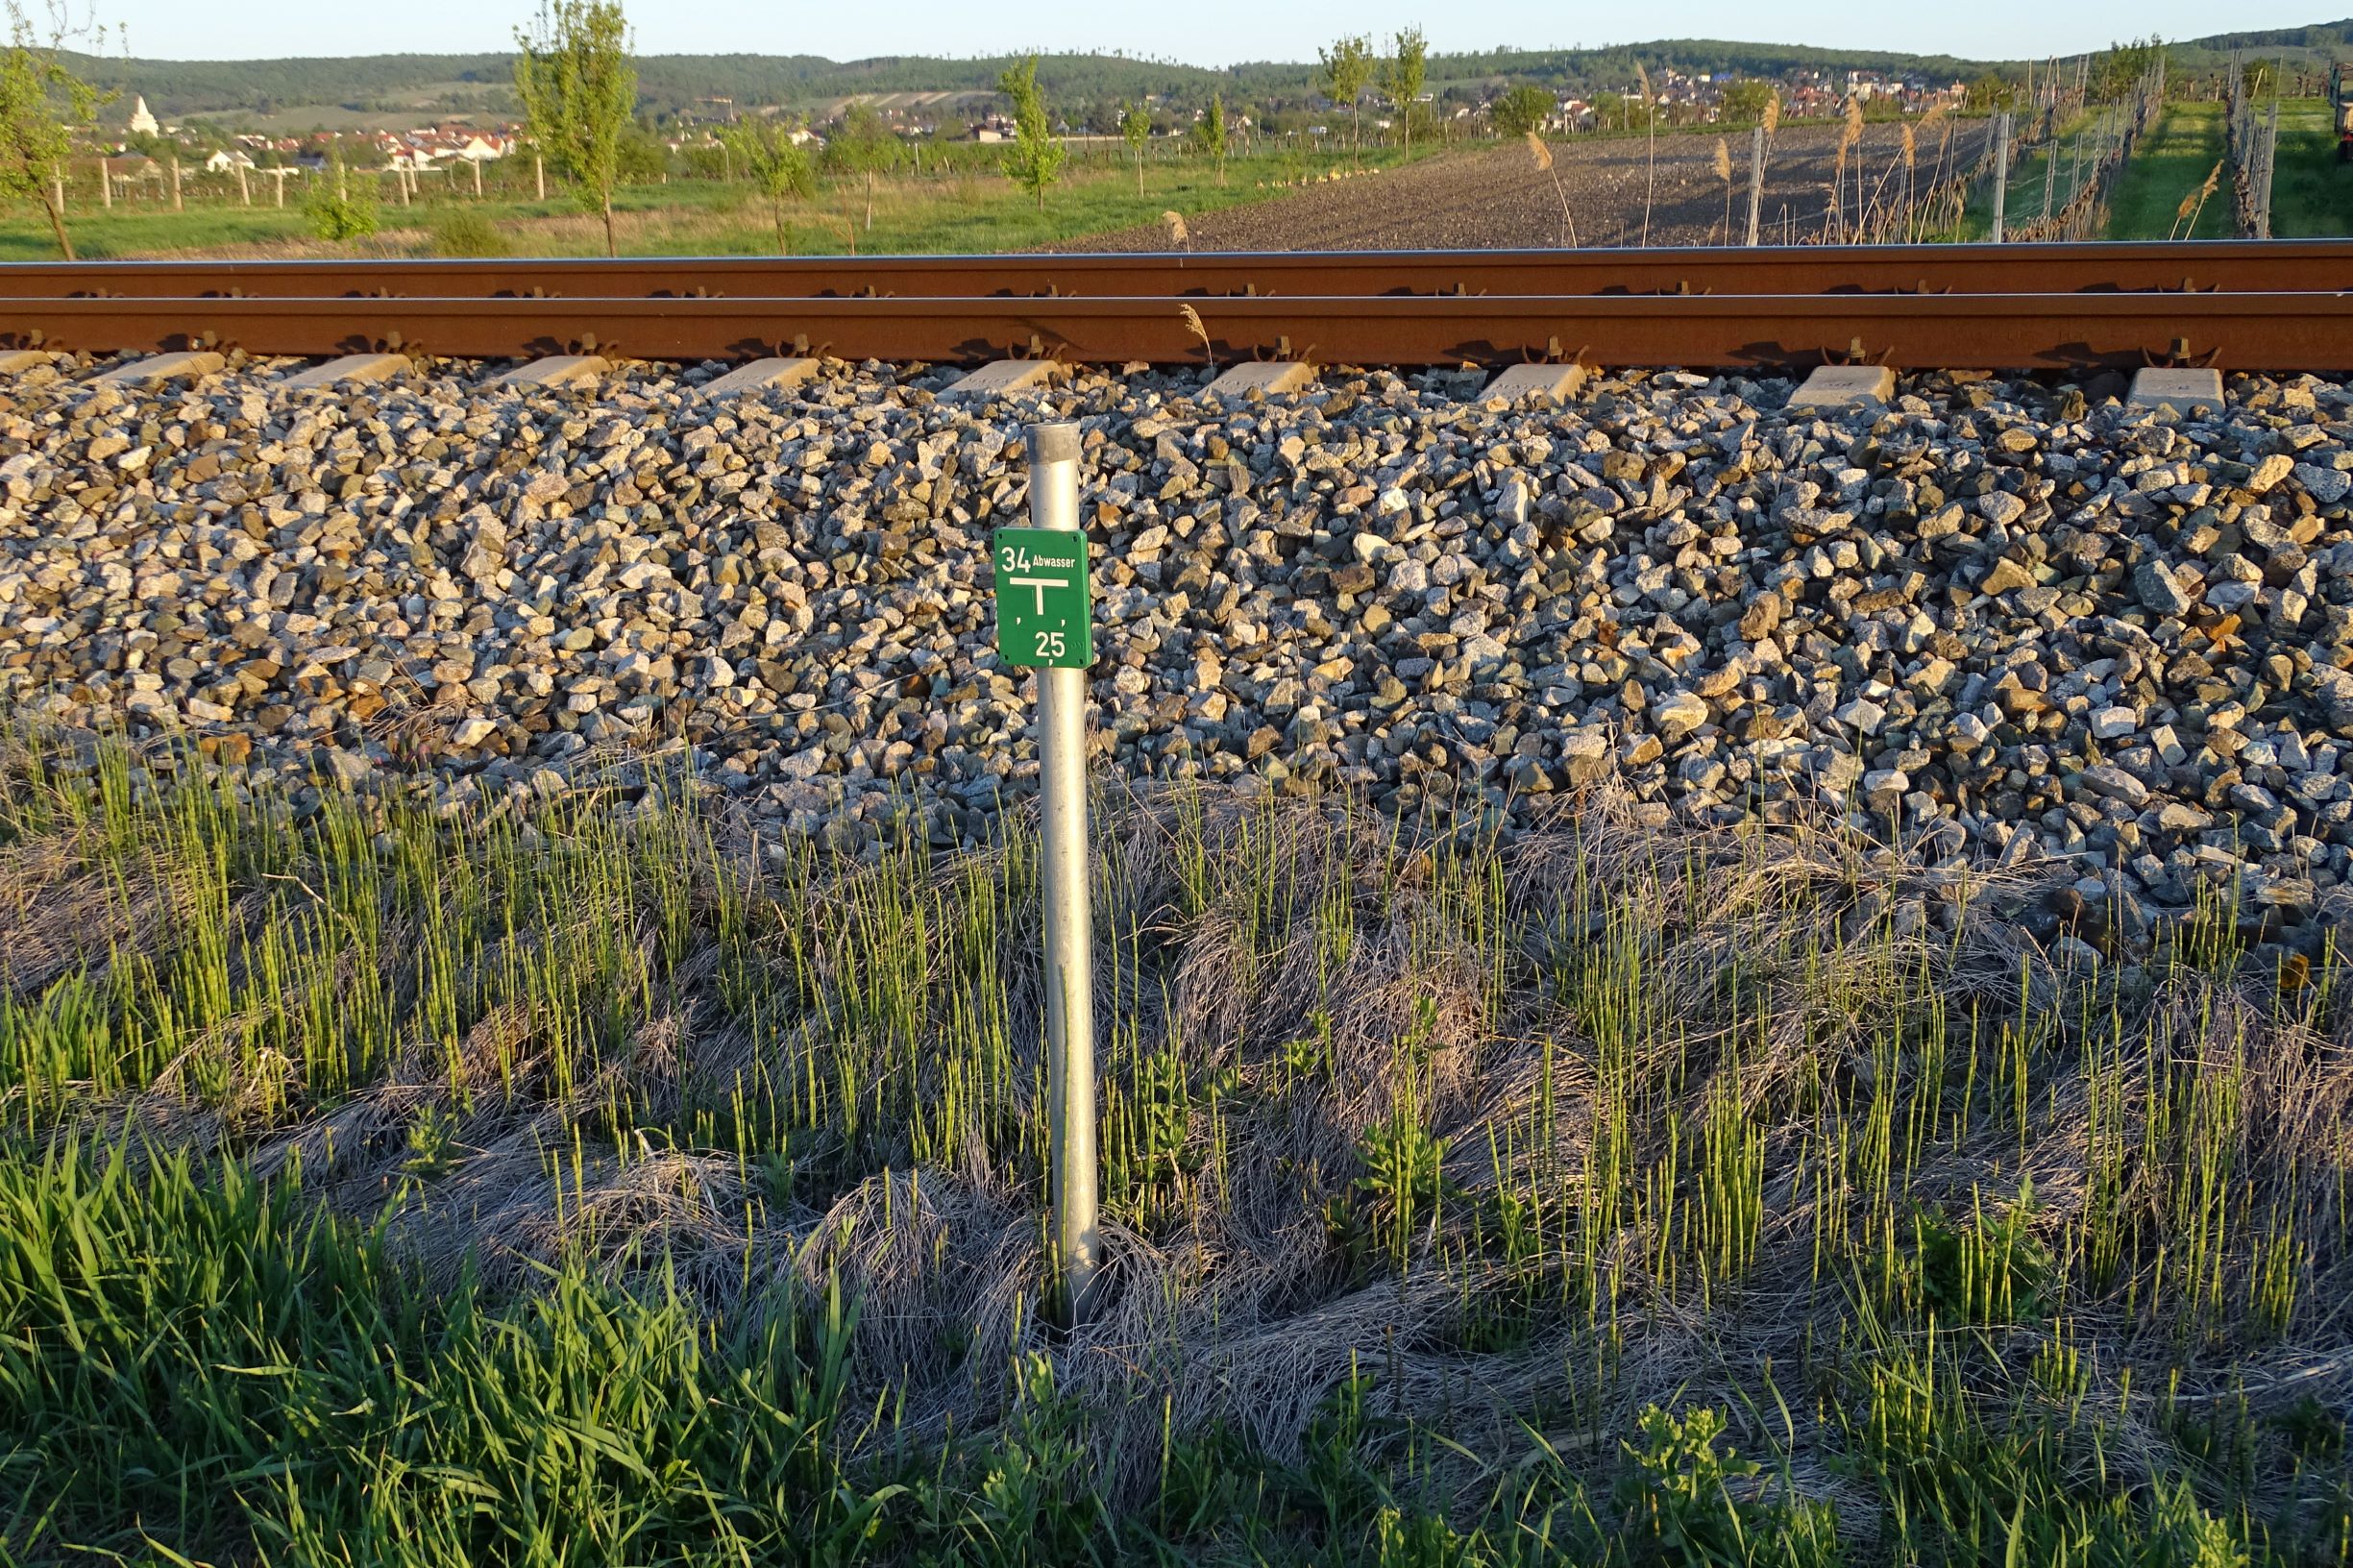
(2005, 619)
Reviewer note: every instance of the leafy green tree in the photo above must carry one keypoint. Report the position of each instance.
(1037, 156)
(776, 164)
(1402, 77)
(1136, 125)
(864, 146)
(39, 99)
(1523, 109)
(1744, 102)
(1612, 107)
(1210, 134)
(579, 88)
(2117, 72)
(1348, 70)
(644, 158)
(466, 231)
(338, 210)
(1990, 92)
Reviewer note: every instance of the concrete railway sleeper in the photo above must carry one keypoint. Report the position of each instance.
(1829, 387)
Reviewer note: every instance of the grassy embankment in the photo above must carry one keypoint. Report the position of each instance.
(960, 203)
(2313, 196)
(2023, 202)
(2048, 170)
(2172, 162)
(585, 1183)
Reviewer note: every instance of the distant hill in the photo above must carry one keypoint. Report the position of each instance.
(1583, 69)
(2321, 38)
(392, 87)
(425, 87)
(667, 85)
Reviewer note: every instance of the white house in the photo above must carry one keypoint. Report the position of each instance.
(223, 161)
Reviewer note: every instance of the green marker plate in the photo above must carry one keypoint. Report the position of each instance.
(1044, 608)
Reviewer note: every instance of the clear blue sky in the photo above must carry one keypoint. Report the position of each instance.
(1200, 32)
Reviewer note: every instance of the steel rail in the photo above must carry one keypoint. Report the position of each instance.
(2279, 266)
(2239, 331)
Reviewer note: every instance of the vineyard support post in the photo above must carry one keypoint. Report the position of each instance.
(2001, 173)
(1756, 180)
(2269, 163)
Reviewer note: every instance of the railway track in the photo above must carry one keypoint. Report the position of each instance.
(2293, 266)
(2270, 308)
(2043, 332)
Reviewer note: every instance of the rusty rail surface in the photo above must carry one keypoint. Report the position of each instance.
(2284, 266)
(2267, 331)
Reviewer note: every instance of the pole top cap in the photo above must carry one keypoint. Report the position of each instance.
(1054, 443)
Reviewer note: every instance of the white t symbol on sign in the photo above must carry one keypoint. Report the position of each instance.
(1038, 585)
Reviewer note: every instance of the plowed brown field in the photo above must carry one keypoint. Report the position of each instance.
(1497, 198)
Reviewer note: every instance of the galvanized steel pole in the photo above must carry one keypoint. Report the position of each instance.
(1069, 931)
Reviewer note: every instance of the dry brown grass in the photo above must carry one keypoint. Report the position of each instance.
(1194, 325)
(1541, 154)
(2193, 203)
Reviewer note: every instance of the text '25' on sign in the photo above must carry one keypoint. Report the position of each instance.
(1045, 610)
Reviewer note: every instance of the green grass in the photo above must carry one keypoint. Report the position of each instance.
(960, 202)
(598, 1182)
(128, 231)
(2036, 170)
(2312, 197)
(2172, 161)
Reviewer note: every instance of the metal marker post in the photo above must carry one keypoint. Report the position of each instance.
(1043, 620)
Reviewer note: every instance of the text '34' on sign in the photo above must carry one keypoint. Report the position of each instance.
(1043, 606)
